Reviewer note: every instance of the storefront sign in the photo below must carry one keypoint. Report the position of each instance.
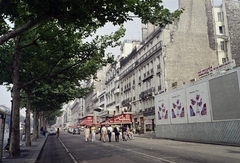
(120, 119)
(216, 70)
(87, 121)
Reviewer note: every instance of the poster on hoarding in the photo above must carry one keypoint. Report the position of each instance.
(177, 103)
(162, 109)
(198, 103)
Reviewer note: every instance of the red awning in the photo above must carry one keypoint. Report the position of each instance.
(87, 121)
(119, 119)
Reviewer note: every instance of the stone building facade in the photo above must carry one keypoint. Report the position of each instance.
(232, 9)
(166, 59)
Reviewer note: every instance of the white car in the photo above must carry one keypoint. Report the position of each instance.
(52, 131)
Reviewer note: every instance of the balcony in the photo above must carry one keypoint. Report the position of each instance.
(148, 93)
(127, 101)
(148, 75)
(116, 91)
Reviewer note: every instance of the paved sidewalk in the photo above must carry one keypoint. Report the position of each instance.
(28, 154)
(149, 135)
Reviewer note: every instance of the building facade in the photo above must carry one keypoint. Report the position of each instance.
(166, 59)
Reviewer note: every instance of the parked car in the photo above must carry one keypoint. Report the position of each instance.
(70, 130)
(51, 131)
(76, 131)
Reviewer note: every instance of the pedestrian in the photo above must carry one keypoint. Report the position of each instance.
(129, 134)
(124, 133)
(57, 133)
(41, 132)
(134, 130)
(109, 132)
(44, 132)
(104, 133)
(93, 131)
(100, 133)
(87, 133)
(116, 132)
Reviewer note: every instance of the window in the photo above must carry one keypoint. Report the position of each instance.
(221, 29)
(224, 60)
(223, 46)
(219, 14)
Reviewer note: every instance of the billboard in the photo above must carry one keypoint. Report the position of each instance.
(177, 103)
(162, 109)
(198, 103)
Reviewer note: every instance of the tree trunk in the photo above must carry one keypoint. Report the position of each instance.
(35, 127)
(28, 134)
(15, 137)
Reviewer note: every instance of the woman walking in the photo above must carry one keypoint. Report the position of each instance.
(104, 133)
(57, 133)
(87, 133)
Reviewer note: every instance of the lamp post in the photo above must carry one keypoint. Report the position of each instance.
(10, 125)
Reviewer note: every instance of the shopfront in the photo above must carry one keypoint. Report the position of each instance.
(86, 121)
(121, 119)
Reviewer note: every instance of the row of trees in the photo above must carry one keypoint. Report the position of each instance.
(44, 56)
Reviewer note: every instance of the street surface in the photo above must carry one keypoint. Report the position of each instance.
(73, 149)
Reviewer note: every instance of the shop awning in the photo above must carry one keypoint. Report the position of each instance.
(119, 119)
(86, 121)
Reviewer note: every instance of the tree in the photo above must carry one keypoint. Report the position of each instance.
(73, 61)
(84, 17)
(90, 14)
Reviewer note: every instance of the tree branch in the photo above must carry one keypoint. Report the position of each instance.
(17, 31)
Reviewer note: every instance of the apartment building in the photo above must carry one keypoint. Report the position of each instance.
(227, 26)
(166, 59)
(95, 99)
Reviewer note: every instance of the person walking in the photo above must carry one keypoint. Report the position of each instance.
(87, 133)
(93, 131)
(104, 133)
(109, 132)
(116, 132)
(100, 133)
(124, 133)
(57, 133)
(44, 132)
(41, 132)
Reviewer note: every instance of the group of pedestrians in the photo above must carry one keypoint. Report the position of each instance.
(127, 134)
(104, 131)
(107, 132)
(43, 132)
(90, 133)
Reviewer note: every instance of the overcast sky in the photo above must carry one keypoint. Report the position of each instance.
(133, 32)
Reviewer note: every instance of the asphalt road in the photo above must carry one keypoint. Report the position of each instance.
(73, 149)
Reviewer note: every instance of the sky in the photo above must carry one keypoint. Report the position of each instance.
(133, 32)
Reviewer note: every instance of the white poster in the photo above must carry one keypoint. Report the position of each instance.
(198, 103)
(177, 103)
(162, 109)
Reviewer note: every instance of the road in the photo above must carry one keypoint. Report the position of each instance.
(73, 149)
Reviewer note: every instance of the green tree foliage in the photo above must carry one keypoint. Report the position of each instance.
(47, 42)
(90, 14)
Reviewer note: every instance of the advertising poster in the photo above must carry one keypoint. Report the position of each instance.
(177, 103)
(162, 109)
(198, 103)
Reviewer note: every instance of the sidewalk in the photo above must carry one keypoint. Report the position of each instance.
(149, 135)
(28, 154)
